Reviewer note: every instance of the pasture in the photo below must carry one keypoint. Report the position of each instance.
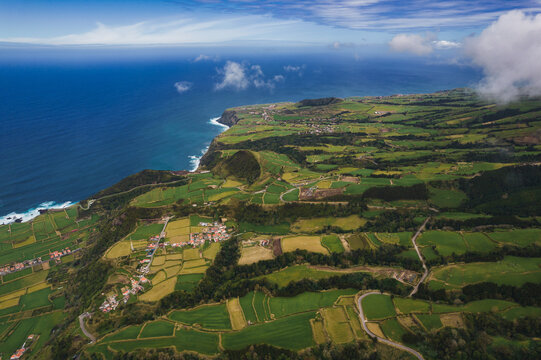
(184, 340)
(158, 291)
(309, 243)
(392, 329)
(157, 329)
(206, 316)
(187, 282)
(430, 321)
(337, 325)
(446, 242)
(378, 306)
(296, 273)
(127, 333)
(519, 237)
(291, 332)
(332, 243)
(312, 225)
(253, 254)
(510, 271)
(284, 306)
(408, 306)
(236, 315)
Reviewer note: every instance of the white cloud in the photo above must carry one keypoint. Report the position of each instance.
(420, 45)
(183, 86)
(412, 43)
(234, 76)
(183, 30)
(299, 69)
(445, 44)
(509, 51)
(241, 76)
(202, 57)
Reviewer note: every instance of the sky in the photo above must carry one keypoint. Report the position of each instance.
(503, 38)
(185, 22)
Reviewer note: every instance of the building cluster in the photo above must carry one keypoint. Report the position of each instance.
(18, 266)
(320, 129)
(6, 269)
(111, 302)
(20, 352)
(58, 254)
(213, 232)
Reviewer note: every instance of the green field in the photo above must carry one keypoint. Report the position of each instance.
(378, 306)
(207, 316)
(332, 243)
(446, 242)
(510, 271)
(127, 333)
(187, 282)
(430, 321)
(248, 308)
(298, 272)
(292, 332)
(184, 340)
(393, 330)
(478, 242)
(408, 306)
(144, 232)
(39, 325)
(520, 237)
(156, 329)
(282, 306)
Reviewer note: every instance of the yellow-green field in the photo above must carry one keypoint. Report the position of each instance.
(309, 243)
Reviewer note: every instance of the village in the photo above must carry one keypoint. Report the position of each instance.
(20, 352)
(18, 266)
(211, 232)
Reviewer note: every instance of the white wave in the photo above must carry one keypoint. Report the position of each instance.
(195, 160)
(214, 121)
(32, 213)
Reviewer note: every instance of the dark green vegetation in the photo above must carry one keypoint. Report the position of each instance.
(352, 179)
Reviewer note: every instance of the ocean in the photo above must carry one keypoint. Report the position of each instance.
(74, 123)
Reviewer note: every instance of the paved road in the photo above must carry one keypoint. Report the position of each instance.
(380, 339)
(83, 328)
(91, 201)
(425, 274)
(162, 235)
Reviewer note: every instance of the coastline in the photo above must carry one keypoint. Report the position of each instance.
(33, 212)
(196, 160)
(14, 217)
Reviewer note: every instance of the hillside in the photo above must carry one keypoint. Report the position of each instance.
(423, 211)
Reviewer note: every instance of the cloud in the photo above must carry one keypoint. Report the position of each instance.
(379, 14)
(183, 86)
(299, 69)
(412, 43)
(420, 45)
(202, 57)
(509, 52)
(182, 30)
(241, 76)
(234, 76)
(445, 44)
(340, 45)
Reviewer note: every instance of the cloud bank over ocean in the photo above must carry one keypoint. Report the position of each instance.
(239, 76)
(509, 51)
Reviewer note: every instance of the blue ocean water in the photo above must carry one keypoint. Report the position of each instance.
(73, 124)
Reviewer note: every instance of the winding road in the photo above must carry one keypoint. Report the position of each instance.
(380, 339)
(425, 274)
(87, 333)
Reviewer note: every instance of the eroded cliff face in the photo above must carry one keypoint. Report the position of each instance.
(229, 118)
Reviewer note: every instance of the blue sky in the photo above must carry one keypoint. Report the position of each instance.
(184, 22)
